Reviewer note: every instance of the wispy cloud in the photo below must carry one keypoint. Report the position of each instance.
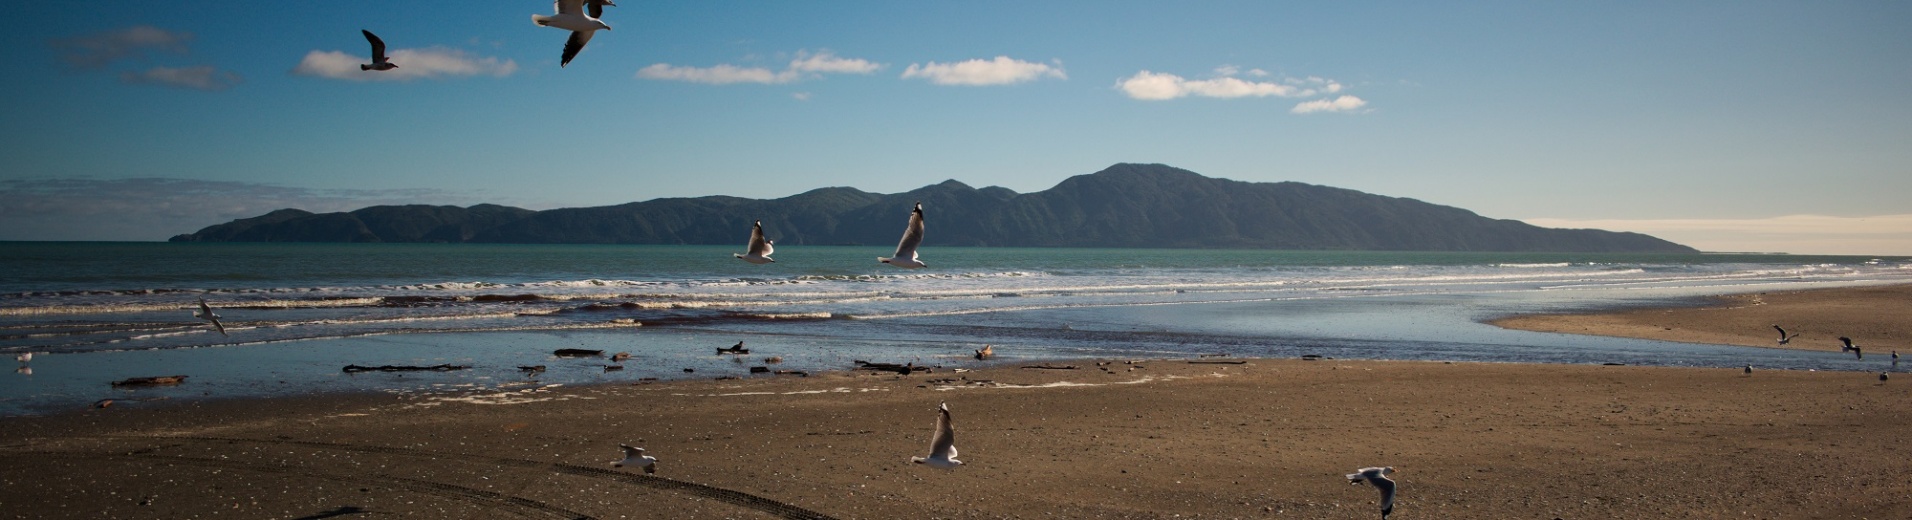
(805, 66)
(99, 49)
(157, 208)
(426, 63)
(1156, 86)
(1803, 234)
(1339, 104)
(203, 77)
(1002, 70)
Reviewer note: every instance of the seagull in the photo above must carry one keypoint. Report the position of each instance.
(1378, 476)
(24, 357)
(1749, 370)
(906, 250)
(760, 249)
(988, 351)
(1783, 337)
(205, 313)
(1882, 377)
(1849, 347)
(379, 61)
(734, 349)
(942, 447)
(1895, 358)
(571, 17)
(636, 457)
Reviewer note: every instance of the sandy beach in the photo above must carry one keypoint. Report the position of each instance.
(1150, 439)
(1878, 319)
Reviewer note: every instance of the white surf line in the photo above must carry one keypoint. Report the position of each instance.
(837, 390)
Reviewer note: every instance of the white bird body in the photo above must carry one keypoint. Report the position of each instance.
(635, 457)
(379, 60)
(905, 256)
(942, 447)
(571, 17)
(760, 249)
(205, 313)
(1378, 477)
(24, 357)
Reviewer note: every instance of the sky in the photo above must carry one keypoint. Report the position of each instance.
(1727, 126)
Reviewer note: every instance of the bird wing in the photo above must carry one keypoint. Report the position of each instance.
(205, 311)
(912, 236)
(378, 46)
(569, 6)
(216, 325)
(1782, 332)
(630, 451)
(597, 7)
(1386, 486)
(758, 246)
(575, 44)
(943, 445)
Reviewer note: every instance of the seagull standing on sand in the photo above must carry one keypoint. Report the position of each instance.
(942, 447)
(1749, 370)
(1783, 337)
(1883, 377)
(636, 457)
(1379, 477)
(1847, 346)
(760, 249)
(205, 313)
(571, 17)
(906, 250)
(379, 61)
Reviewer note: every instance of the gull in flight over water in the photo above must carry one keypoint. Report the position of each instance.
(1847, 346)
(571, 17)
(1378, 477)
(205, 313)
(942, 447)
(636, 457)
(379, 61)
(905, 256)
(1783, 337)
(760, 249)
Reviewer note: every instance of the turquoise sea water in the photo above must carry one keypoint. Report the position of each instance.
(296, 313)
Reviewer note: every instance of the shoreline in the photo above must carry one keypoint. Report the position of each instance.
(1873, 316)
(1266, 438)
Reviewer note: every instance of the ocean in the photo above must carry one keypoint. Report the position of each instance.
(296, 314)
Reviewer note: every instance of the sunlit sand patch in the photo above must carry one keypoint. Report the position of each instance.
(837, 390)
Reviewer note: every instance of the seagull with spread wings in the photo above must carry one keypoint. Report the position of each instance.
(942, 447)
(760, 249)
(379, 61)
(905, 256)
(572, 17)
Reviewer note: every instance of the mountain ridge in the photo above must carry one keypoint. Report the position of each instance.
(1124, 205)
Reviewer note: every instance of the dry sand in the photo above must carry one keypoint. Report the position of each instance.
(1265, 439)
(1878, 319)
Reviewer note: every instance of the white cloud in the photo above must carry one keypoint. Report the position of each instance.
(800, 96)
(1002, 70)
(426, 63)
(1799, 234)
(806, 65)
(98, 49)
(1339, 104)
(203, 77)
(1156, 86)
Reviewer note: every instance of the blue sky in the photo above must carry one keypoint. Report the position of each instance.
(1769, 126)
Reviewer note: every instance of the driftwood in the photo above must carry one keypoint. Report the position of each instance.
(577, 352)
(1051, 367)
(403, 368)
(759, 370)
(905, 369)
(151, 381)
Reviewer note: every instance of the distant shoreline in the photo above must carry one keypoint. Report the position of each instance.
(1873, 316)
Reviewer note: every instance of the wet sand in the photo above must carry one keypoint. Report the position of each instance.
(1878, 319)
(1264, 439)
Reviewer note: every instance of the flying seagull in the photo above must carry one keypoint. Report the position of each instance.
(1379, 477)
(379, 61)
(942, 447)
(636, 457)
(760, 249)
(906, 250)
(1847, 346)
(1783, 337)
(571, 17)
(205, 313)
